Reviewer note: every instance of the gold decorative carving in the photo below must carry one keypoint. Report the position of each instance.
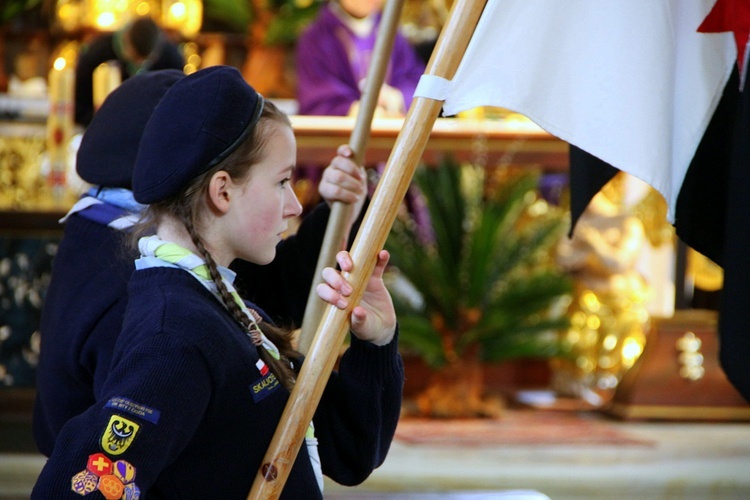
(19, 171)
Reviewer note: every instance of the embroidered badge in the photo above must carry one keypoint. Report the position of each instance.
(114, 480)
(265, 385)
(119, 435)
(111, 487)
(132, 492)
(99, 464)
(84, 482)
(123, 471)
(135, 409)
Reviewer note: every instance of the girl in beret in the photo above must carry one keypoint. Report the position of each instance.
(85, 302)
(199, 376)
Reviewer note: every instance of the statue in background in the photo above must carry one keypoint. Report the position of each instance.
(608, 314)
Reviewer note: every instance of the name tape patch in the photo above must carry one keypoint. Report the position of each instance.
(135, 409)
(265, 385)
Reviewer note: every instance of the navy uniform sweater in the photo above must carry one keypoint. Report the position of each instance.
(188, 411)
(85, 304)
(81, 319)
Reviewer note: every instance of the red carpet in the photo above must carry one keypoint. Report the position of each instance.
(517, 427)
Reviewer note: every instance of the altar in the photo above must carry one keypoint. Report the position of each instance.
(513, 140)
(28, 205)
(487, 142)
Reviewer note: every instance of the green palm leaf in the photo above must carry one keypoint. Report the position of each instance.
(482, 272)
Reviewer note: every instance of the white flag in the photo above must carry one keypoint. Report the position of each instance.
(629, 81)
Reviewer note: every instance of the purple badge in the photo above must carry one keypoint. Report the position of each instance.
(124, 471)
(84, 482)
(132, 492)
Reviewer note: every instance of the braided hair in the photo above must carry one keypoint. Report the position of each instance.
(186, 207)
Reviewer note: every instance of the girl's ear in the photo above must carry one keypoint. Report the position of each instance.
(219, 193)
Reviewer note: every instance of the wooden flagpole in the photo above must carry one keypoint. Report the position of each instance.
(407, 151)
(341, 212)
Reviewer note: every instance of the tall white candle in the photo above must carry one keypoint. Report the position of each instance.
(59, 123)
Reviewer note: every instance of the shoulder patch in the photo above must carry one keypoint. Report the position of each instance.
(135, 409)
(84, 482)
(111, 487)
(118, 435)
(123, 471)
(99, 464)
(265, 385)
(113, 480)
(131, 492)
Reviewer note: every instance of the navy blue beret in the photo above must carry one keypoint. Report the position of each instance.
(199, 122)
(109, 145)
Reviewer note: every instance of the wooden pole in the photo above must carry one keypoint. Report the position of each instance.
(341, 212)
(407, 151)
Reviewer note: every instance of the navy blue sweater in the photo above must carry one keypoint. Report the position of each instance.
(86, 298)
(81, 319)
(188, 407)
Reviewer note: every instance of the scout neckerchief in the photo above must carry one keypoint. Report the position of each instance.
(112, 207)
(156, 252)
(171, 253)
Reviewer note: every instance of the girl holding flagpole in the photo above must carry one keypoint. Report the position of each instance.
(199, 376)
(85, 302)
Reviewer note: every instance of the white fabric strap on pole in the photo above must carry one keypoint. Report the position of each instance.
(432, 87)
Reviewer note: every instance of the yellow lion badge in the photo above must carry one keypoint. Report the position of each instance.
(119, 435)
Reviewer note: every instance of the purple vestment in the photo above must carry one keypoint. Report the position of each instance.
(331, 60)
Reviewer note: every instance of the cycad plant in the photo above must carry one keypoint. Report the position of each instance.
(476, 283)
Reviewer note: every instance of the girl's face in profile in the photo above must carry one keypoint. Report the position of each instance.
(262, 206)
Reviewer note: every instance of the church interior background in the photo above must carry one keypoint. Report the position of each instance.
(612, 391)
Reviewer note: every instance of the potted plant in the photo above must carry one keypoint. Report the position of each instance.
(478, 282)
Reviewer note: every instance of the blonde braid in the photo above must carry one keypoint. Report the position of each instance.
(188, 204)
(280, 367)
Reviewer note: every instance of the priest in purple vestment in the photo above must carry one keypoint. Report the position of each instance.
(333, 57)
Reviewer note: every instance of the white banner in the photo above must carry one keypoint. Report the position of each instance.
(629, 81)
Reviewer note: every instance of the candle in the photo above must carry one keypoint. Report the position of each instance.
(106, 78)
(59, 123)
